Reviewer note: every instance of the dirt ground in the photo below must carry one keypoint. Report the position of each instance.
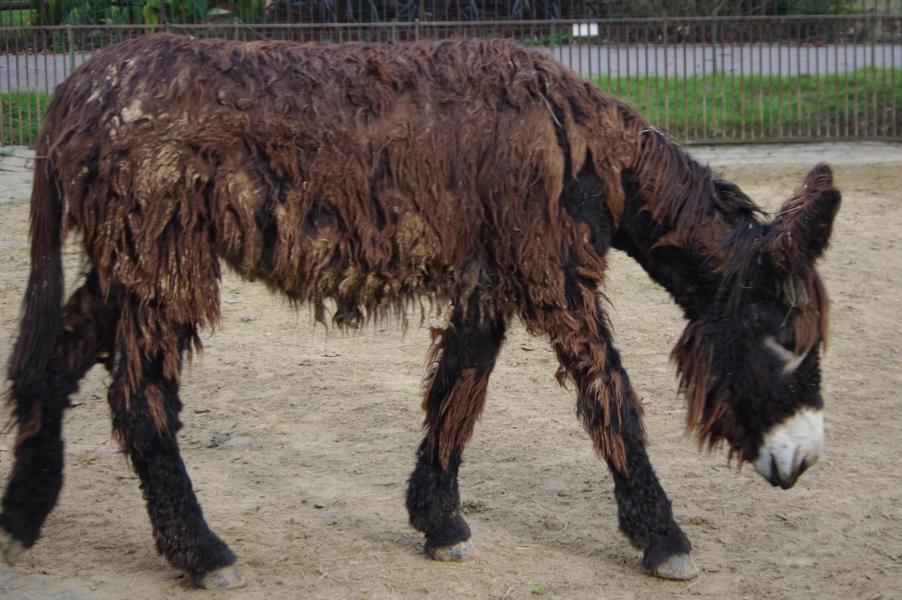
(299, 442)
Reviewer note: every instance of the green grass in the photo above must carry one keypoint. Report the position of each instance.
(20, 116)
(860, 103)
(698, 108)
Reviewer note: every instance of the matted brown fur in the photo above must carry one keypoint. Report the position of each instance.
(459, 410)
(365, 175)
(361, 176)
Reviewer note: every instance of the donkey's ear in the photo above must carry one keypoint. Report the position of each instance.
(801, 230)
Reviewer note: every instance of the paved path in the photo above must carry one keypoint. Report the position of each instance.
(46, 71)
(836, 153)
(760, 59)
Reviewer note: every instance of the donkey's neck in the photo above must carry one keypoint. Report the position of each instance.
(687, 230)
(683, 272)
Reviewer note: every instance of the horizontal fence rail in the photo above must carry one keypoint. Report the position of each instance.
(156, 12)
(702, 79)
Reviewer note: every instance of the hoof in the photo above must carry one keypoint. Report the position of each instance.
(228, 577)
(679, 567)
(12, 548)
(458, 552)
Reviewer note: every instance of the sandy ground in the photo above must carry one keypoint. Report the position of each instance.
(300, 441)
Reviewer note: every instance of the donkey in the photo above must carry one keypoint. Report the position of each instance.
(359, 178)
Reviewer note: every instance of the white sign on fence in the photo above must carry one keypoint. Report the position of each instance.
(585, 29)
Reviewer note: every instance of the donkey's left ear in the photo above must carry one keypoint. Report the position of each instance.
(801, 230)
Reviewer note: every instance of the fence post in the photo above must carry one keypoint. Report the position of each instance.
(70, 41)
(416, 29)
(666, 41)
(714, 44)
(873, 37)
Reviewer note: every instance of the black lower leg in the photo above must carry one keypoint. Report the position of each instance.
(433, 501)
(39, 399)
(454, 400)
(644, 510)
(180, 531)
(642, 505)
(147, 423)
(36, 480)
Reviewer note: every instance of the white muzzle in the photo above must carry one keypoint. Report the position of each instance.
(791, 447)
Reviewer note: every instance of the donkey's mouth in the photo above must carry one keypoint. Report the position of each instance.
(776, 480)
(791, 447)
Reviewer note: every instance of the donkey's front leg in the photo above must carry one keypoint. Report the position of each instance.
(612, 414)
(145, 405)
(646, 517)
(465, 352)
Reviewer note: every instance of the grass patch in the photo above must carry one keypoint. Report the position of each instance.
(861, 103)
(21, 114)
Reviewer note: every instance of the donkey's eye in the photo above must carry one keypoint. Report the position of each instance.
(786, 338)
(786, 354)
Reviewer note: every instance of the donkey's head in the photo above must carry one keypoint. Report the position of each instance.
(749, 363)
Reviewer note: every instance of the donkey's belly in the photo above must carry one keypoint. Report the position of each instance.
(370, 273)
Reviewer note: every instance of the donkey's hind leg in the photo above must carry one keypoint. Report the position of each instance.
(145, 406)
(610, 410)
(38, 401)
(466, 352)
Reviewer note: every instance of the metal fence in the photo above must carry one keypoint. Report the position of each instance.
(155, 12)
(703, 79)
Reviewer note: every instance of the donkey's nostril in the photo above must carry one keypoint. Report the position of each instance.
(774, 471)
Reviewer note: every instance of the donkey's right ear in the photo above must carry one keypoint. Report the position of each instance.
(800, 232)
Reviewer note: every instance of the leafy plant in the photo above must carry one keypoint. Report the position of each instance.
(15, 18)
(138, 12)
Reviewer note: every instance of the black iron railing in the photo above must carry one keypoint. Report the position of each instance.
(703, 79)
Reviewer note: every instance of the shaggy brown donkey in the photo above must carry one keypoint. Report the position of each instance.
(361, 177)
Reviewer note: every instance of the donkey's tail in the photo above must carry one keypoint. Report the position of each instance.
(41, 307)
